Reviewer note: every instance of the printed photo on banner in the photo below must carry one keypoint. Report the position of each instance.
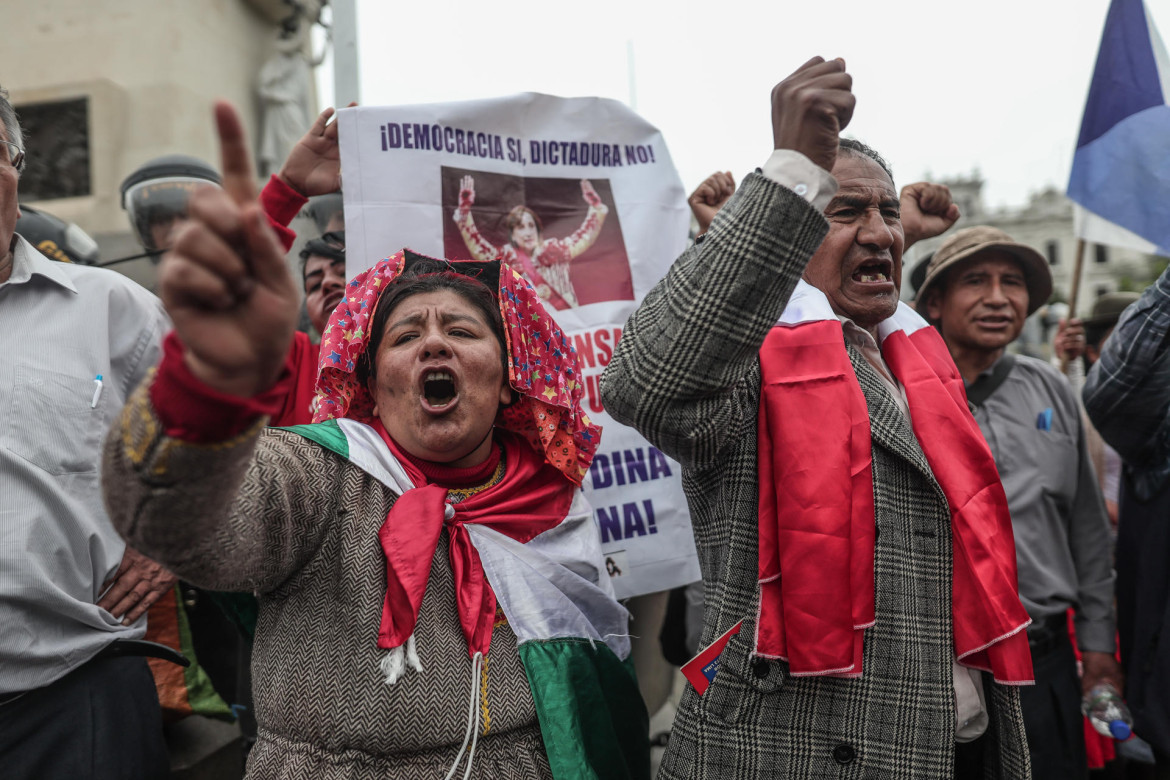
(563, 235)
(578, 195)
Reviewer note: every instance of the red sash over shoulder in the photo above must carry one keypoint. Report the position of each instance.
(816, 497)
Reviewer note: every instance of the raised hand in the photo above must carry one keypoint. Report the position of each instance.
(589, 194)
(313, 166)
(225, 284)
(927, 211)
(138, 583)
(710, 196)
(1069, 343)
(811, 107)
(466, 192)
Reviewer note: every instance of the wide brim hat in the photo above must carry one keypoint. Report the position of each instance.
(969, 242)
(1107, 309)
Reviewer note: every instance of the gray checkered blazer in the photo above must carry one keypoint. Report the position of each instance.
(686, 374)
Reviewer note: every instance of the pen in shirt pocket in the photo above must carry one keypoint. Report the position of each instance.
(97, 391)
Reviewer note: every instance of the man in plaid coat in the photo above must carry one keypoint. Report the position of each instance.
(687, 374)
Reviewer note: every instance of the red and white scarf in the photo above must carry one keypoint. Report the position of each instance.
(531, 498)
(817, 517)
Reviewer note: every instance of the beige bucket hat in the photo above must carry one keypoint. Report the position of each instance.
(969, 242)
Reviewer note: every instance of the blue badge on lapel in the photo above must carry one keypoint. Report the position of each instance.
(1044, 420)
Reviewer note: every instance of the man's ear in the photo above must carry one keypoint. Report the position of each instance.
(931, 308)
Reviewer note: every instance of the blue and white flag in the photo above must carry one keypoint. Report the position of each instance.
(1120, 181)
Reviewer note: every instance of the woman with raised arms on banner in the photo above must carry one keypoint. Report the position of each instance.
(544, 262)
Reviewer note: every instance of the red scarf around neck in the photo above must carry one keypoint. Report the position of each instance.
(817, 517)
(532, 497)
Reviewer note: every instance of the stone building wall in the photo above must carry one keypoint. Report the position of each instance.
(147, 73)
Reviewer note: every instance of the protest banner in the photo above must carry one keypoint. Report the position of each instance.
(581, 197)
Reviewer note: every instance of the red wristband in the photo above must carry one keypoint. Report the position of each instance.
(193, 412)
(281, 203)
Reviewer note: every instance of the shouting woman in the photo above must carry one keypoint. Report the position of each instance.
(431, 587)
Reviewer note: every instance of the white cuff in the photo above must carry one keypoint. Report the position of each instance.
(793, 170)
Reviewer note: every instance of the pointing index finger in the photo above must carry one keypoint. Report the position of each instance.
(238, 180)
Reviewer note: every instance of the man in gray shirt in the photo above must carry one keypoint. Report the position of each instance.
(76, 697)
(979, 288)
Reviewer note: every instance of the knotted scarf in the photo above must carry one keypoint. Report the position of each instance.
(548, 447)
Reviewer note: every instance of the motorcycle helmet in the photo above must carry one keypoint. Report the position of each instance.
(155, 196)
(55, 238)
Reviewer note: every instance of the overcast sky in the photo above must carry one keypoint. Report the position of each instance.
(942, 88)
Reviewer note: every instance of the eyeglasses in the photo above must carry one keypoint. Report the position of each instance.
(15, 156)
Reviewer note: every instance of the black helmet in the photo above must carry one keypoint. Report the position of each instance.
(157, 193)
(55, 238)
(328, 211)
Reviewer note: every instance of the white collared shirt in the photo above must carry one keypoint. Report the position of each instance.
(62, 325)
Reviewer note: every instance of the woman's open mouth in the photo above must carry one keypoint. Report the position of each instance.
(438, 389)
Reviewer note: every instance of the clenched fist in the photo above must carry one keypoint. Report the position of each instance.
(709, 197)
(811, 107)
(927, 211)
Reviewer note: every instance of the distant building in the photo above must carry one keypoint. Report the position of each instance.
(102, 87)
(1046, 224)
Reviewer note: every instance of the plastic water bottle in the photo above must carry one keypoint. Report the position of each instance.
(1106, 710)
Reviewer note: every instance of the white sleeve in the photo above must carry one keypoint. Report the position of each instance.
(810, 181)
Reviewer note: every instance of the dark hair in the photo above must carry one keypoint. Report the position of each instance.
(516, 216)
(426, 276)
(858, 149)
(330, 246)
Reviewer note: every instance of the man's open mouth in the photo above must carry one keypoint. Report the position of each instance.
(332, 301)
(872, 271)
(438, 388)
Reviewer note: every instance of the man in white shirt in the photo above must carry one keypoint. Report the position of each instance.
(76, 696)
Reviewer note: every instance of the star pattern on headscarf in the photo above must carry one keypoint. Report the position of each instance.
(542, 368)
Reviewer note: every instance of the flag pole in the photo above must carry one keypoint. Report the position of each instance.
(1073, 292)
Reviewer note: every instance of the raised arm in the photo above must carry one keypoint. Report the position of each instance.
(480, 248)
(240, 512)
(695, 338)
(313, 167)
(583, 237)
(181, 478)
(709, 197)
(926, 211)
(1127, 393)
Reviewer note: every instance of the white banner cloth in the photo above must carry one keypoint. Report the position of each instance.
(580, 195)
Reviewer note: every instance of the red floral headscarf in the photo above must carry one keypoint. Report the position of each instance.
(542, 365)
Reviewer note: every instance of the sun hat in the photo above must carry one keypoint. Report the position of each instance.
(971, 241)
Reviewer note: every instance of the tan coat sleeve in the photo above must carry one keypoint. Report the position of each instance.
(244, 514)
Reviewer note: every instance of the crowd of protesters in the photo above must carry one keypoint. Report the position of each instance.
(910, 532)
